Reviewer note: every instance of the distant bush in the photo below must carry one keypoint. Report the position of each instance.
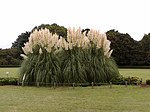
(8, 81)
(135, 67)
(133, 80)
(119, 80)
(148, 82)
(130, 80)
(9, 66)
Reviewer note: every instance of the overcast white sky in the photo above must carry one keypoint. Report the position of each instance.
(126, 16)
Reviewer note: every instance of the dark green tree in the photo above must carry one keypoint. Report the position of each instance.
(145, 49)
(53, 28)
(123, 46)
(145, 43)
(10, 56)
(22, 38)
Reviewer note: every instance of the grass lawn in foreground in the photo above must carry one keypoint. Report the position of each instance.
(80, 99)
(141, 73)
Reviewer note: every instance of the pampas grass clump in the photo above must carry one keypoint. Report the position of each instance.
(80, 58)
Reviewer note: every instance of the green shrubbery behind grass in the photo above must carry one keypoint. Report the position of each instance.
(130, 80)
(148, 82)
(8, 81)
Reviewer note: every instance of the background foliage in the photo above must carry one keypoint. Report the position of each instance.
(127, 51)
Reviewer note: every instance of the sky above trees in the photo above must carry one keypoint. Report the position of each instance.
(126, 16)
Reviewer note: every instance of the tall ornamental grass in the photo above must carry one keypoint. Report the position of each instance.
(80, 58)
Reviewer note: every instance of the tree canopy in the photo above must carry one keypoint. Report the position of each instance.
(22, 38)
(126, 50)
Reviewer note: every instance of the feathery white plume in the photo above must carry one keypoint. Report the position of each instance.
(51, 42)
(42, 38)
(100, 40)
(40, 51)
(24, 56)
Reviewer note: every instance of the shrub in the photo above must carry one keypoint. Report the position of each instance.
(118, 81)
(148, 82)
(132, 80)
(8, 81)
(121, 80)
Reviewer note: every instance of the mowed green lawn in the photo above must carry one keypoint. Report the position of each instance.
(13, 72)
(80, 99)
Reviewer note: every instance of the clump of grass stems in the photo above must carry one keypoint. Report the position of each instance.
(79, 59)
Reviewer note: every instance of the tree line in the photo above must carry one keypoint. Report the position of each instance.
(129, 52)
(126, 50)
